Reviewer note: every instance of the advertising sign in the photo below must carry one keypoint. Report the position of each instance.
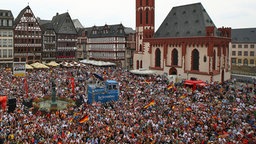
(19, 69)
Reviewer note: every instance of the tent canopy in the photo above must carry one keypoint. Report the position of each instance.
(27, 66)
(97, 63)
(142, 72)
(53, 63)
(39, 65)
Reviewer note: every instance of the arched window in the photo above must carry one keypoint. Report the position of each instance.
(246, 62)
(141, 16)
(137, 64)
(140, 48)
(141, 64)
(195, 60)
(146, 2)
(175, 57)
(146, 16)
(157, 58)
(214, 60)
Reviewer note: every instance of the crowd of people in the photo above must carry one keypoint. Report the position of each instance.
(219, 113)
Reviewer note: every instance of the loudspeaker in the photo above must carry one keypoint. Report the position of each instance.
(11, 104)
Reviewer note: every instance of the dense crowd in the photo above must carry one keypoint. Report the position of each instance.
(219, 113)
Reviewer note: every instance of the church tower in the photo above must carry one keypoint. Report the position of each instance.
(145, 22)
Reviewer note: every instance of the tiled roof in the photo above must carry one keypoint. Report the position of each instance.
(243, 35)
(77, 24)
(17, 19)
(108, 31)
(6, 14)
(185, 21)
(62, 23)
(2, 12)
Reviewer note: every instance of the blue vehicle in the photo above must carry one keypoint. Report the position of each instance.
(103, 91)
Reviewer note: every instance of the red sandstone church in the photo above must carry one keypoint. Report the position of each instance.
(187, 43)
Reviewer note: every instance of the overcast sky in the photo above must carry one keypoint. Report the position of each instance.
(228, 13)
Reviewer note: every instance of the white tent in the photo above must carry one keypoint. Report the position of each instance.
(142, 72)
(97, 63)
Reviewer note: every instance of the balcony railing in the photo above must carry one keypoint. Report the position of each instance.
(28, 45)
(66, 48)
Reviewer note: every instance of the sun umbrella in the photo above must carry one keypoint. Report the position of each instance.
(53, 63)
(27, 66)
(39, 65)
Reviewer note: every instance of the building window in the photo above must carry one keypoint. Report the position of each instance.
(140, 63)
(146, 16)
(5, 53)
(141, 16)
(239, 61)
(140, 2)
(146, 2)
(195, 59)
(233, 53)
(0, 53)
(246, 46)
(239, 53)
(4, 34)
(137, 64)
(239, 46)
(233, 61)
(205, 58)
(10, 23)
(252, 46)
(245, 53)
(251, 53)
(140, 48)
(251, 61)
(157, 58)
(233, 46)
(10, 34)
(4, 22)
(214, 60)
(175, 57)
(246, 62)
(4, 42)
(10, 53)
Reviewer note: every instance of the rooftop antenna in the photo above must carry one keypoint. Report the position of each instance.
(28, 3)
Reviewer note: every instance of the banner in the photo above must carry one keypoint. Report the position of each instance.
(19, 69)
(3, 102)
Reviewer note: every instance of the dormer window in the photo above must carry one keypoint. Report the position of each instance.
(94, 32)
(106, 31)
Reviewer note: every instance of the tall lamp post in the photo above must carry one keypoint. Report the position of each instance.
(53, 103)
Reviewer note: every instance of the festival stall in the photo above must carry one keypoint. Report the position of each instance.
(194, 84)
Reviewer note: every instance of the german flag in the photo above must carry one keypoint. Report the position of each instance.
(188, 109)
(183, 96)
(150, 104)
(147, 81)
(170, 87)
(84, 119)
